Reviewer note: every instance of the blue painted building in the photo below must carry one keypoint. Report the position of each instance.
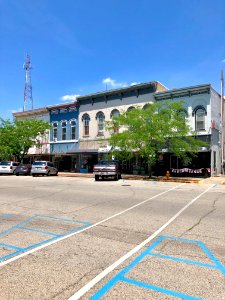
(64, 135)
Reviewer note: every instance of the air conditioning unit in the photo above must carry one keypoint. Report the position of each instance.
(55, 139)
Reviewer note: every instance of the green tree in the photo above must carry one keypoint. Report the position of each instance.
(145, 132)
(17, 137)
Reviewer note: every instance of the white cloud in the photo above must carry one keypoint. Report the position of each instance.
(16, 110)
(69, 97)
(134, 83)
(223, 61)
(113, 83)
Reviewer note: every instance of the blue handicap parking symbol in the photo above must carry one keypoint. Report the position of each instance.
(121, 276)
(14, 250)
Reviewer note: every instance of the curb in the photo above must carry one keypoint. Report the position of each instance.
(216, 180)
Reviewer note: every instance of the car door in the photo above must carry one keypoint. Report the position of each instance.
(50, 166)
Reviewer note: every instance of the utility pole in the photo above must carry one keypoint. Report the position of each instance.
(28, 97)
(222, 122)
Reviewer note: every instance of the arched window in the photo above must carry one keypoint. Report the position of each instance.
(86, 121)
(130, 108)
(146, 106)
(115, 113)
(199, 113)
(63, 124)
(101, 122)
(73, 129)
(54, 130)
(183, 114)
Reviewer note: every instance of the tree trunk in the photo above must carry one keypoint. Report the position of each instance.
(150, 170)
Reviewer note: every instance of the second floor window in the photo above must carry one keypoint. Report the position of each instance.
(86, 121)
(130, 108)
(73, 130)
(54, 131)
(115, 113)
(183, 114)
(200, 114)
(101, 122)
(63, 131)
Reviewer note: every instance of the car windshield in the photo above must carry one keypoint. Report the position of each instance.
(39, 163)
(108, 162)
(5, 163)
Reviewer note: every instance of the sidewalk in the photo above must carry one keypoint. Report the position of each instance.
(209, 180)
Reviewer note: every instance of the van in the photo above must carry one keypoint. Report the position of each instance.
(43, 168)
(8, 167)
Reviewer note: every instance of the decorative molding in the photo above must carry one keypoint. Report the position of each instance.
(197, 108)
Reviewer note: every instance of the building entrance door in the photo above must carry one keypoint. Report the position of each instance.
(173, 162)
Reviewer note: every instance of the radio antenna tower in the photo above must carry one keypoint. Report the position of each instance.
(28, 97)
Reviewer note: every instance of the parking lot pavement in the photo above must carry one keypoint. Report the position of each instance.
(63, 237)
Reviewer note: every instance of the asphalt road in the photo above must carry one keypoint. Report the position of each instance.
(74, 238)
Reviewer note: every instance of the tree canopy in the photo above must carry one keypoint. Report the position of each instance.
(18, 136)
(148, 131)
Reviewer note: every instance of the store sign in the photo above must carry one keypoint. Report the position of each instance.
(104, 149)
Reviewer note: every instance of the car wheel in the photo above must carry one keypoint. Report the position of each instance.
(116, 177)
(96, 178)
(56, 174)
(33, 175)
(16, 174)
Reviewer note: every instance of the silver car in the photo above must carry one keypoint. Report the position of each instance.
(8, 167)
(43, 168)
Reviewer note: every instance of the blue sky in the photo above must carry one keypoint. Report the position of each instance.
(81, 46)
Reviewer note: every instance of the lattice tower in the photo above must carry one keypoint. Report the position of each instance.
(28, 97)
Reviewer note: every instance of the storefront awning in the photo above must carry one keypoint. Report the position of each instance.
(80, 151)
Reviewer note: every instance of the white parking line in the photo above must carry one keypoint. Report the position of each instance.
(101, 275)
(86, 228)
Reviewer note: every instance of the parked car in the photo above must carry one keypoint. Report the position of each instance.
(8, 167)
(106, 169)
(22, 169)
(43, 168)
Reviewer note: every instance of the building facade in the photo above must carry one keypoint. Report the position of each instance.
(203, 110)
(96, 109)
(78, 137)
(43, 151)
(64, 135)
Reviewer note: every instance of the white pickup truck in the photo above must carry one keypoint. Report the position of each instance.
(107, 168)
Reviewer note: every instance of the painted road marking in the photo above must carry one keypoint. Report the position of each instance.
(24, 226)
(216, 264)
(121, 276)
(53, 241)
(109, 269)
